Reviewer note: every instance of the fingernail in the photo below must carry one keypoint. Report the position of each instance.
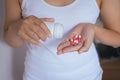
(80, 52)
(44, 40)
(59, 52)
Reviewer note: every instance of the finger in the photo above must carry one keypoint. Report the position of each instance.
(40, 33)
(59, 52)
(86, 45)
(48, 19)
(29, 39)
(42, 25)
(63, 44)
(32, 34)
(72, 48)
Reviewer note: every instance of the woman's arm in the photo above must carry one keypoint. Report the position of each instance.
(13, 15)
(18, 29)
(110, 13)
(108, 35)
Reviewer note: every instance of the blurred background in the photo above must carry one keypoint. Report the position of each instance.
(12, 60)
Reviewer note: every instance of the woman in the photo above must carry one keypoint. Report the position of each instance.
(58, 59)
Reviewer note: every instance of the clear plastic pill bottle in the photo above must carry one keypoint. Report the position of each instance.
(56, 29)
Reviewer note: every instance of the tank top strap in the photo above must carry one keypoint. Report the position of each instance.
(23, 3)
(96, 5)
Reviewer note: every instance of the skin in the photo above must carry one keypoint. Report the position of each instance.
(109, 35)
(17, 30)
(87, 32)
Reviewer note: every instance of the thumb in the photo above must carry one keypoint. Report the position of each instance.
(85, 47)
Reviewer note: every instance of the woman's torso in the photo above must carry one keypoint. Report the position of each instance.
(80, 11)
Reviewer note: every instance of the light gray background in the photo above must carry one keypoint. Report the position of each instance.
(11, 60)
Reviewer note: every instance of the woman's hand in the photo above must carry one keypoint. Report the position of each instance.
(86, 30)
(33, 29)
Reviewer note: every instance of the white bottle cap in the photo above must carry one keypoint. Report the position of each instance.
(56, 29)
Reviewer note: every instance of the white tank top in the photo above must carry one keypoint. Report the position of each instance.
(80, 11)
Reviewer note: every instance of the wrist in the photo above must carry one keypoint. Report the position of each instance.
(11, 36)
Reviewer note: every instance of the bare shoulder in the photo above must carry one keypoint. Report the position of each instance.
(13, 12)
(99, 2)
